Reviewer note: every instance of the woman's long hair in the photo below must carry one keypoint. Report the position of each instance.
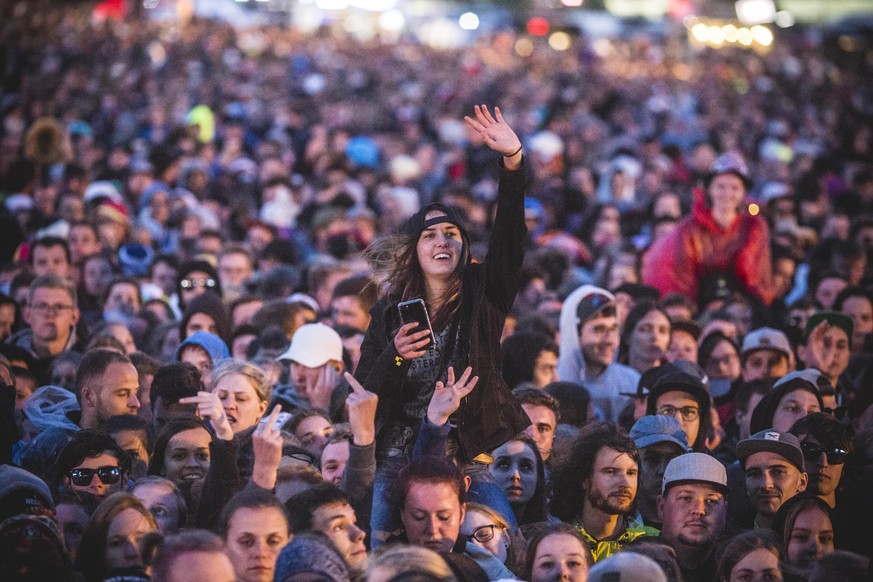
(397, 256)
(537, 509)
(639, 311)
(171, 429)
(91, 560)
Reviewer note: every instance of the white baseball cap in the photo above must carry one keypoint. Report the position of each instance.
(314, 345)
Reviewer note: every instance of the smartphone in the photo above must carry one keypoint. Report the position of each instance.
(280, 420)
(415, 310)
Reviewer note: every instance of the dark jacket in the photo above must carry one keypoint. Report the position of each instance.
(490, 415)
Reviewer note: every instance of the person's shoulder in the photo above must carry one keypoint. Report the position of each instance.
(623, 372)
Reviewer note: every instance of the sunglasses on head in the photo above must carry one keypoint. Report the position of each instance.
(191, 283)
(812, 452)
(108, 475)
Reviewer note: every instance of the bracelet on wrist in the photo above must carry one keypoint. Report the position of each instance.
(513, 153)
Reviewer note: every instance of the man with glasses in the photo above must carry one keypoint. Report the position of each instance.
(52, 314)
(683, 397)
(826, 444)
(92, 463)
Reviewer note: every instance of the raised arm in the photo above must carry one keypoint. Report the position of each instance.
(497, 135)
(506, 243)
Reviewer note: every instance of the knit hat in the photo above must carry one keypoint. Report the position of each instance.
(23, 492)
(214, 345)
(772, 441)
(135, 259)
(655, 428)
(311, 553)
(627, 567)
(114, 212)
(695, 468)
(103, 189)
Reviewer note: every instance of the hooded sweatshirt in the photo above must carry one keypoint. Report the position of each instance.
(699, 246)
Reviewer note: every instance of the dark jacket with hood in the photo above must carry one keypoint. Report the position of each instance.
(489, 415)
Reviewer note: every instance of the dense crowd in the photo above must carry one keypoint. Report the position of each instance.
(286, 307)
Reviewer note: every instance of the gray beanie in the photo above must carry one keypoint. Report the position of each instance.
(311, 553)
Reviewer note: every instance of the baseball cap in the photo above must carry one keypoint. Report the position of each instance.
(314, 345)
(695, 468)
(594, 301)
(772, 441)
(681, 382)
(835, 318)
(766, 338)
(654, 428)
(651, 377)
(809, 375)
(627, 567)
(416, 223)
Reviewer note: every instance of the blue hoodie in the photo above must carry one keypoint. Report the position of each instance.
(214, 345)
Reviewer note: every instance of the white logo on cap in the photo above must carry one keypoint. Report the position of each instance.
(771, 436)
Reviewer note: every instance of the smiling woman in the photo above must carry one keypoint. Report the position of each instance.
(182, 451)
(467, 303)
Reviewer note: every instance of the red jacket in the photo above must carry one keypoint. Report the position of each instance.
(699, 246)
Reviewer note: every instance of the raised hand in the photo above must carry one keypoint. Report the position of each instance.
(496, 134)
(321, 389)
(409, 345)
(209, 407)
(817, 355)
(447, 397)
(267, 447)
(361, 405)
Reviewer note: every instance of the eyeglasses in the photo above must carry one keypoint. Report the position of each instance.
(484, 533)
(303, 457)
(812, 452)
(689, 413)
(191, 283)
(51, 307)
(108, 475)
